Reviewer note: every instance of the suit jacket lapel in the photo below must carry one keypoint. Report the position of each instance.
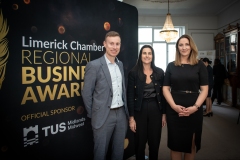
(106, 71)
(120, 67)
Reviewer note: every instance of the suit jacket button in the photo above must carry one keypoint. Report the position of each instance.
(135, 87)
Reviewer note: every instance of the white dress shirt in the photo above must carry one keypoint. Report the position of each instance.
(116, 78)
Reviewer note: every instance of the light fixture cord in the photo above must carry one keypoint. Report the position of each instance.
(168, 6)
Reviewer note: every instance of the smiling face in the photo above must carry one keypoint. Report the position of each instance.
(112, 46)
(184, 47)
(147, 56)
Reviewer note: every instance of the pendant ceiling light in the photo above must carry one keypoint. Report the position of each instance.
(168, 32)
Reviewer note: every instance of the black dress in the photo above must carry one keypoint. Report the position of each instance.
(181, 129)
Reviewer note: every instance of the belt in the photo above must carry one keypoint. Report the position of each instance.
(184, 91)
(116, 108)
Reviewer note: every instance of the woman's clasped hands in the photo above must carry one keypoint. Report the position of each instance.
(184, 111)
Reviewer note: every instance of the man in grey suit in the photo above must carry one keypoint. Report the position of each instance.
(104, 96)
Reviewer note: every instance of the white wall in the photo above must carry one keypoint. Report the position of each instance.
(229, 16)
(202, 29)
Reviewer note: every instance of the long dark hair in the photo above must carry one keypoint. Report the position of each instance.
(139, 65)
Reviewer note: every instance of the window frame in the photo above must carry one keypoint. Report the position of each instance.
(140, 44)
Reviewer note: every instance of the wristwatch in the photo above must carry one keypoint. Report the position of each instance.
(196, 106)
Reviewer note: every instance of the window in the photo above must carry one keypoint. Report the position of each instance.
(164, 52)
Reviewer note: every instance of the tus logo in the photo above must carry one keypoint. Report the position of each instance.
(30, 135)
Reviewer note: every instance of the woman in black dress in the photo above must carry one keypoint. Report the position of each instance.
(146, 104)
(185, 89)
(208, 111)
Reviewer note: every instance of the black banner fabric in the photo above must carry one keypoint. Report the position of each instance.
(44, 48)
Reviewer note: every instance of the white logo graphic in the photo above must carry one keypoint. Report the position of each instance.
(30, 135)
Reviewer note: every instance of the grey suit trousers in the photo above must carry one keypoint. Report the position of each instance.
(114, 130)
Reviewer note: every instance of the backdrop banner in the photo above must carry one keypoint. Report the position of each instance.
(44, 48)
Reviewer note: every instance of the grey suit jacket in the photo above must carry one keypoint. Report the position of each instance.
(97, 91)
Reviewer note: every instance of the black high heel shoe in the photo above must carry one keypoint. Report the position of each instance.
(206, 114)
(211, 114)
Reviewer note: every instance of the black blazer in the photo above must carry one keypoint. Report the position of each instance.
(135, 90)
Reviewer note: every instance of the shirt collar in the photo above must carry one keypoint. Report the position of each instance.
(107, 60)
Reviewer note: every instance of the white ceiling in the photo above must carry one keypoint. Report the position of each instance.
(183, 8)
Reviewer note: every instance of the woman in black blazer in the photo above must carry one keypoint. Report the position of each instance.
(146, 104)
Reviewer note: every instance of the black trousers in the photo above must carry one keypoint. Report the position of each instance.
(148, 129)
(217, 92)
